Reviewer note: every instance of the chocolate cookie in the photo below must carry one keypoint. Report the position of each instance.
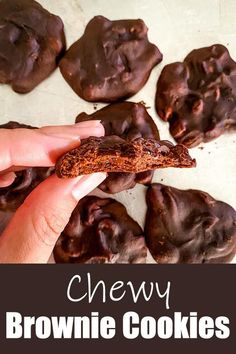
(101, 231)
(31, 42)
(16, 125)
(188, 226)
(198, 96)
(13, 196)
(114, 154)
(112, 60)
(129, 121)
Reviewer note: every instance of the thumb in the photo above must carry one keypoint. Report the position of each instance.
(33, 231)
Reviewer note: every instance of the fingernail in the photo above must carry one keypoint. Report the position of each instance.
(87, 184)
(85, 132)
(68, 132)
(74, 132)
(89, 123)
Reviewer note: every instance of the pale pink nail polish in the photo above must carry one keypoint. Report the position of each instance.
(87, 184)
(89, 123)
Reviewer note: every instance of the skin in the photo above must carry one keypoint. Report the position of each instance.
(34, 229)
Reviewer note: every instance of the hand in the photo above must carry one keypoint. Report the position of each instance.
(37, 224)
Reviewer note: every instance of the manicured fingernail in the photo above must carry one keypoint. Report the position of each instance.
(75, 131)
(68, 132)
(85, 132)
(89, 123)
(87, 184)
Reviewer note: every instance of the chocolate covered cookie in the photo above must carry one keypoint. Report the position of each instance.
(114, 154)
(12, 197)
(129, 121)
(198, 96)
(101, 231)
(188, 226)
(31, 42)
(112, 60)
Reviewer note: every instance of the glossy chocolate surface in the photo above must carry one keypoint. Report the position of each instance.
(31, 42)
(101, 231)
(188, 226)
(198, 96)
(112, 60)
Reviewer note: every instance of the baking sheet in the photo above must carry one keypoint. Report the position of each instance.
(176, 27)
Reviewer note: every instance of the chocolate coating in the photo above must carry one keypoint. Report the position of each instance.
(15, 125)
(198, 96)
(13, 196)
(112, 60)
(188, 226)
(31, 42)
(129, 121)
(101, 231)
(114, 154)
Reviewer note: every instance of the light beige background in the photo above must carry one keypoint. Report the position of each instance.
(176, 27)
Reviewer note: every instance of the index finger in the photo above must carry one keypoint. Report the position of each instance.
(42, 147)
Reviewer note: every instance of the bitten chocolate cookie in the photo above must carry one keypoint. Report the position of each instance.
(101, 231)
(198, 96)
(112, 60)
(13, 196)
(114, 154)
(188, 226)
(129, 121)
(31, 42)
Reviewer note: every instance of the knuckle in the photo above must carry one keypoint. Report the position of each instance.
(47, 226)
